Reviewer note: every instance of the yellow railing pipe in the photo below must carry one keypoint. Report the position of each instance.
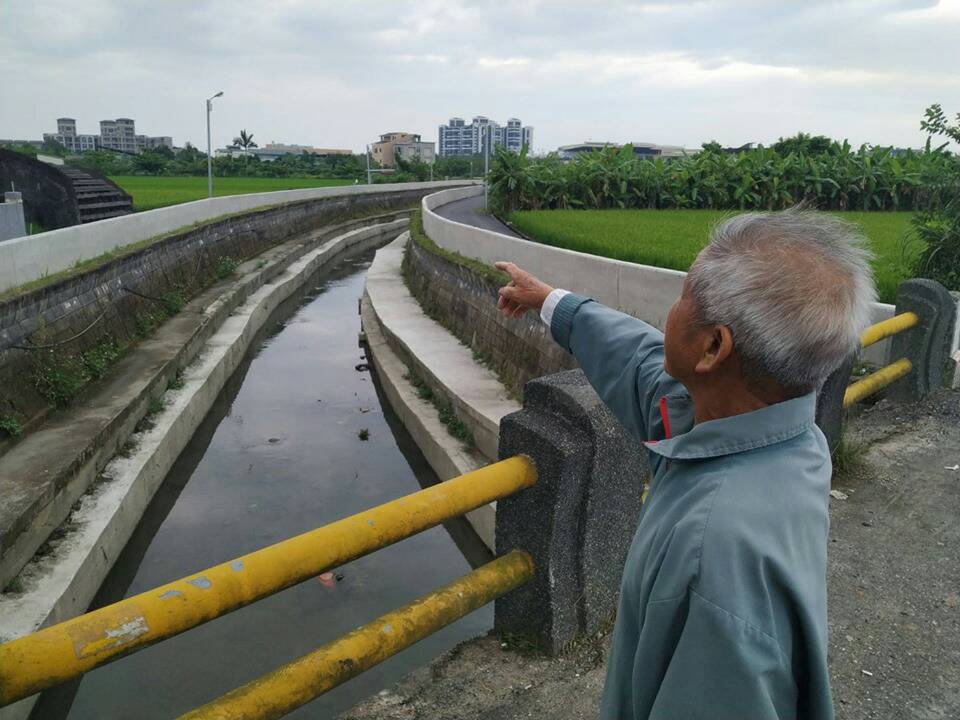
(876, 381)
(879, 331)
(297, 683)
(63, 651)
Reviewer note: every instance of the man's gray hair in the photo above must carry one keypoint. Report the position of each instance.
(795, 289)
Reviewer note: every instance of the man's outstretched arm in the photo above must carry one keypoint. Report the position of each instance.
(621, 356)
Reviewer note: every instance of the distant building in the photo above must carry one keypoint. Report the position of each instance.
(458, 138)
(271, 151)
(67, 136)
(408, 146)
(642, 150)
(119, 134)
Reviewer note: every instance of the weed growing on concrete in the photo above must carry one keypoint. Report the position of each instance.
(59, 377)
(101, 356)
(261, 263)
(14, 586)
(176, 382)
(364, 434)
(128, 448)
(226, 267)
(155, 405)
(444, 407)
(847, 458)
(11, 425)
(173, 301)
(523, 645)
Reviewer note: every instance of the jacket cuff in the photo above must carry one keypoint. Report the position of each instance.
(561, 325)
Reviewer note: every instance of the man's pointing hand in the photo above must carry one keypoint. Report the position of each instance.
(523, 292)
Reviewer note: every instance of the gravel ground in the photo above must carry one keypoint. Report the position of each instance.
(894, 589)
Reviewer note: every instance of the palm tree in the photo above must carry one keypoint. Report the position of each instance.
(244, 141)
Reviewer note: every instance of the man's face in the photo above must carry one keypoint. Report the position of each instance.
(683, 338)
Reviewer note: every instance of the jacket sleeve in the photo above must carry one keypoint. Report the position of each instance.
(724, 669)
(622, 358)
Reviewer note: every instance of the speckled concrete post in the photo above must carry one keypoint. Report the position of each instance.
(926, 345)
(578, 520)
(830, 411)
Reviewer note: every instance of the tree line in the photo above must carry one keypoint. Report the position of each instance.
(828, 174)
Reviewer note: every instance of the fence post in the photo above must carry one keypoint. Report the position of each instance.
(927, 344)
(578, 520)
(830, 411)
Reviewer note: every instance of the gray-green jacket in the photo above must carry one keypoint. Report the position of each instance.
(723, 607)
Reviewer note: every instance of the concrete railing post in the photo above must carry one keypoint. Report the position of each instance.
(927, 344)
(830, 410)
(578, 520)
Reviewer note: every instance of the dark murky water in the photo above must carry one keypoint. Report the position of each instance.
(278, 455)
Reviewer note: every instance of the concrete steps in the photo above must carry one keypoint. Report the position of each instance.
(96, 199)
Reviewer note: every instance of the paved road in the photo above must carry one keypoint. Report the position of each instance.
(470, 211)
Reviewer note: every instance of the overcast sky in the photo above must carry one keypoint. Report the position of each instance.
(337, 74)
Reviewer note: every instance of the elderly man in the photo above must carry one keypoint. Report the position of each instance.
(723, 608)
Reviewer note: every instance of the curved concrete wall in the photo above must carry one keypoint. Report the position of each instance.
(23, 260)
(641, 290)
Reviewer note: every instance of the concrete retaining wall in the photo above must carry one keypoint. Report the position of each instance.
(464, 302)
(112, 301)
(640, 290)
(26, 259)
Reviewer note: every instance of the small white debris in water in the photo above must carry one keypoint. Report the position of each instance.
(867, 672)
(955, 468)
(527, 687)
(838, 495)
(503, 646)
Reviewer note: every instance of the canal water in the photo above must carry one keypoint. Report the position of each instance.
(280, 453)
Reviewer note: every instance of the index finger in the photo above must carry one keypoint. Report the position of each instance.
(508, 267)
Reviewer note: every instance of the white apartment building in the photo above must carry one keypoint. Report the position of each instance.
(458, 138)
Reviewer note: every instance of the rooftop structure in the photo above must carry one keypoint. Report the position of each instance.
(642, 150)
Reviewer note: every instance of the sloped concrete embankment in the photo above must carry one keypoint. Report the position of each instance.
(411, 352)
(60, 580)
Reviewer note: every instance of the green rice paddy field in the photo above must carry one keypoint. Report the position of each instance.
(154, 192)
(672, 238)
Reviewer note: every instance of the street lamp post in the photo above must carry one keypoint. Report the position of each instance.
(486, 164)
(209, 152)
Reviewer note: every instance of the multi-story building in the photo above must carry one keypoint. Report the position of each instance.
(119, 134)
(408, 146)
(67, 136)
(458, 138)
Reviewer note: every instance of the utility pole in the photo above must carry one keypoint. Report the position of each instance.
(368, 165)
(209, 152)
(486, 165)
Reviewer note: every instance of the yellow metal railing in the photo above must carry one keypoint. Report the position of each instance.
(879, 331)
(886, 375)
(58, 653)
(297, 683)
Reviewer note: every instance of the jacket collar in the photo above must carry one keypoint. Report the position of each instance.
(726, 436)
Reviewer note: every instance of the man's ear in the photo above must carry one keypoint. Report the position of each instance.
(716, 348)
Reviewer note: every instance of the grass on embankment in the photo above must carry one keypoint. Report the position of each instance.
(672, 238)
(151, 192)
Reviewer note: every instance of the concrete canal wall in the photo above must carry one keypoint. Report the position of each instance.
(641, 290)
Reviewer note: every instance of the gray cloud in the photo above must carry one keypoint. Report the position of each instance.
(338, 74)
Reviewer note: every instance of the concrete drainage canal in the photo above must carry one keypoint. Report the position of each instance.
(299, 437)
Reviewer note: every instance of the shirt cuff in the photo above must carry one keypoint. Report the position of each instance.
(550, 304)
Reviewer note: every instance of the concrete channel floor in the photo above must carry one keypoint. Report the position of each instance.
(894, 590)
